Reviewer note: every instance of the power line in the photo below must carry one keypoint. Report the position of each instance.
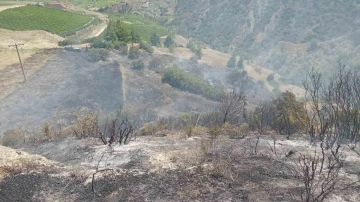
(17, 50)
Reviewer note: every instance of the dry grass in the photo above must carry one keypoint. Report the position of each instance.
(12, 57)
(147, 129)
(230, 131)
(18, 161)
(191, 131)
(87, 125)
(180, 52)
(9, 6)
(215, 58)
(181, 41)
(257, 72)
(31, 39)
(210, 57)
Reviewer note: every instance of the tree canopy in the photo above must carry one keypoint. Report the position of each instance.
(232, 62)
(155, 39)
(289, 114)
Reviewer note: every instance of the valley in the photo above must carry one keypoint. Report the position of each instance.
(204, 100)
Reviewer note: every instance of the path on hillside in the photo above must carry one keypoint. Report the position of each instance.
(93, 30)
(8, 7)
(64, 85)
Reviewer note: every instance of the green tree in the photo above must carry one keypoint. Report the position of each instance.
(232, 62)
(199, 53)
(110, 32)
(116, 32)
(192, 45)
(236, 77)
(240, 64)
(134, 37)
(271, 77)
(169, 41)
(121, 32)
(155, 39)
(147, 47)
(290, 115)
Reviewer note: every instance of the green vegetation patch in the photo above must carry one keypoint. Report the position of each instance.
(40, 18)
(143, 26)
(193, 83)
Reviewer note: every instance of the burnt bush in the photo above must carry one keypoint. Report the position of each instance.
(117, 131)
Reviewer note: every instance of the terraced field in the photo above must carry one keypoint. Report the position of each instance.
(40, 18)
(143, 26)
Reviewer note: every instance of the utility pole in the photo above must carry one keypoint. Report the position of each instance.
(17, 50)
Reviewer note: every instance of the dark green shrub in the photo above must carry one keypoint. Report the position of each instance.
(65, 42)
(270, 77)
(147, 47)
(232, 62)
(199, 53)
(169, 41)
(96, 55)
(236, 76)
(191, 45)
(98, 43)
(138, 65)
(155, 39)
(190, 82)
(240, 64)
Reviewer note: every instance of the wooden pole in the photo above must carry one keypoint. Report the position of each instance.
(17, 50)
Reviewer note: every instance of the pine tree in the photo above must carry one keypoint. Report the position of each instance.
(134, 37)
(169, 41)
(199, 53)
(121, 32)
(240, 64)
(232, 62)
(155, 39)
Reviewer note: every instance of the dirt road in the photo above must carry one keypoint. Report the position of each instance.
(10, 6)
(93, 30)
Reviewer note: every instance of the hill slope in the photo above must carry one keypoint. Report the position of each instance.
(288, 36)
(262, 23)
